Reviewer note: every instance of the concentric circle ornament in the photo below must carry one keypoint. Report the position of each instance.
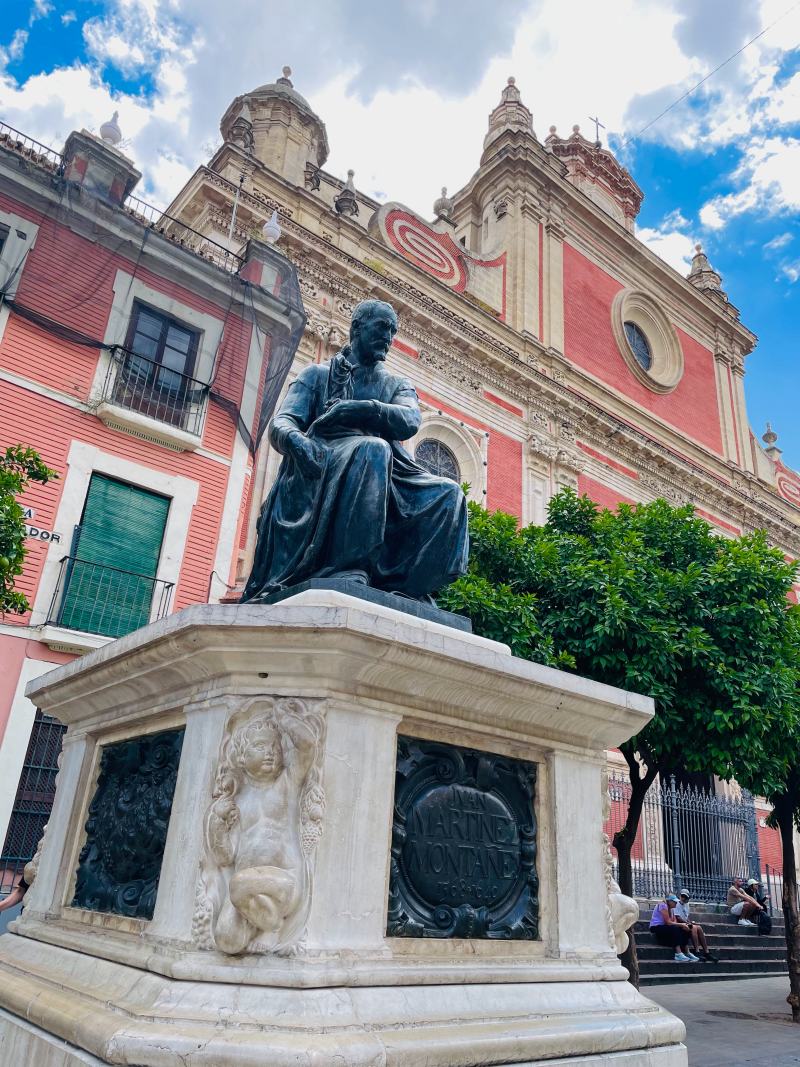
(436, 253)
(789, 487)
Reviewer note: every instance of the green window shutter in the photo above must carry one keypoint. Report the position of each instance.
(110, 584)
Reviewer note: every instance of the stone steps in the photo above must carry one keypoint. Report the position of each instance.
(723, 941)
(662, 977)
(727, 952)
(742, 951)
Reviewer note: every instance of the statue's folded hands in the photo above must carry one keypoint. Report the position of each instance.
(346, 414)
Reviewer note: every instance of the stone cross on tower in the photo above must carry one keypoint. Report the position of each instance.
(598, 126)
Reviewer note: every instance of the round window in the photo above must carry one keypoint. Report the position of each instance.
(647, 340)
(639, 345)
(438, 459)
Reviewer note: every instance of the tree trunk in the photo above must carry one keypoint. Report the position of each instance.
(629, 957)
(623, 843)
(785, 808)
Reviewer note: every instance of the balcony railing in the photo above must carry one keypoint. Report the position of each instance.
(144, 213)
(97, 599)
(35, 151)
(140, 384)
(183, 235)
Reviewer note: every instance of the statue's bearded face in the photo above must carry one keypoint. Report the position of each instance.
(375, 334)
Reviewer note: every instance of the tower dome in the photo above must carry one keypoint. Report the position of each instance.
(275, 124)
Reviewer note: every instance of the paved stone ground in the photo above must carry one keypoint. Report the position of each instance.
(717, 1035)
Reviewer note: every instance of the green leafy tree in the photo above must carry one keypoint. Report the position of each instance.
(782, 791)
(18, 467)
(650, 599)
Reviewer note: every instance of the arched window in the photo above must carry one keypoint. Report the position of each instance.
(438, 459)
(639, 344)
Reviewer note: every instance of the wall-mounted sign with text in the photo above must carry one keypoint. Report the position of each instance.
(36, 532)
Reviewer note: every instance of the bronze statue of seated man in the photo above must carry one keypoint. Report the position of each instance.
(349, 501)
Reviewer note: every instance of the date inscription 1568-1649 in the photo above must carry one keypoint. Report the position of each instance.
(463, 844)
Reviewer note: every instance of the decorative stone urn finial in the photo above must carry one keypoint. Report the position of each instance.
(271, 229)
(509, 115)
(443, 205)
(346, 202)
(770, 439)
(110, 131)
(286, 79)
(702, 275)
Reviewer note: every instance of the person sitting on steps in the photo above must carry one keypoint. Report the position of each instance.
(742, 905)
(669, 932)
(753, 887)
(16, 894)
(696, 932)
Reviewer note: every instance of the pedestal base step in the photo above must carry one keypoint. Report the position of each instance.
(66, 1009)
(22, 1043)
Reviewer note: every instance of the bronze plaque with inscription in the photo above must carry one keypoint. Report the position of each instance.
(463, 844)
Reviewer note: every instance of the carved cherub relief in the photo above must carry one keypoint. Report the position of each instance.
(261, 829)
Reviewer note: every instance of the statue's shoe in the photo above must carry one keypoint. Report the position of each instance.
(350, 576)
(425, 598)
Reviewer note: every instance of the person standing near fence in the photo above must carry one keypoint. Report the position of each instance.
(669, 932)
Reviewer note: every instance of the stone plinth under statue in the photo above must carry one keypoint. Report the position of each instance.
(325, 832)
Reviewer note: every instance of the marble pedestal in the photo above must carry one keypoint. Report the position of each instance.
(336, 680)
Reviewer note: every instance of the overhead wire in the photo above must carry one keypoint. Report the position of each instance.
(694, 88)
(53, 205)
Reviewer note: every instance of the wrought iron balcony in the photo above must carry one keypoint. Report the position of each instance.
(97, 599)
(140, 384)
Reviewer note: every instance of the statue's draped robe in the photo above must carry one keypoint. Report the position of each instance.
(372, 509)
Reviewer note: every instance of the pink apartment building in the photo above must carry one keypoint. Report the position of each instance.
(132, 357)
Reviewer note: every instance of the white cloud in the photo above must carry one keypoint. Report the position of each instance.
(406, 98)
(16, 46)
(791, 271)
(40, 10)
(778, 242)
(50, 106)
(784, 107)
(711, 217)
(68, 17)
(769, 176)
(671, 245)
(675, 220)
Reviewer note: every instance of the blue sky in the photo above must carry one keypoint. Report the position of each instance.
(406, 95)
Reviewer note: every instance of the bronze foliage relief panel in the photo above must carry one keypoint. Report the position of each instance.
(126, 831)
